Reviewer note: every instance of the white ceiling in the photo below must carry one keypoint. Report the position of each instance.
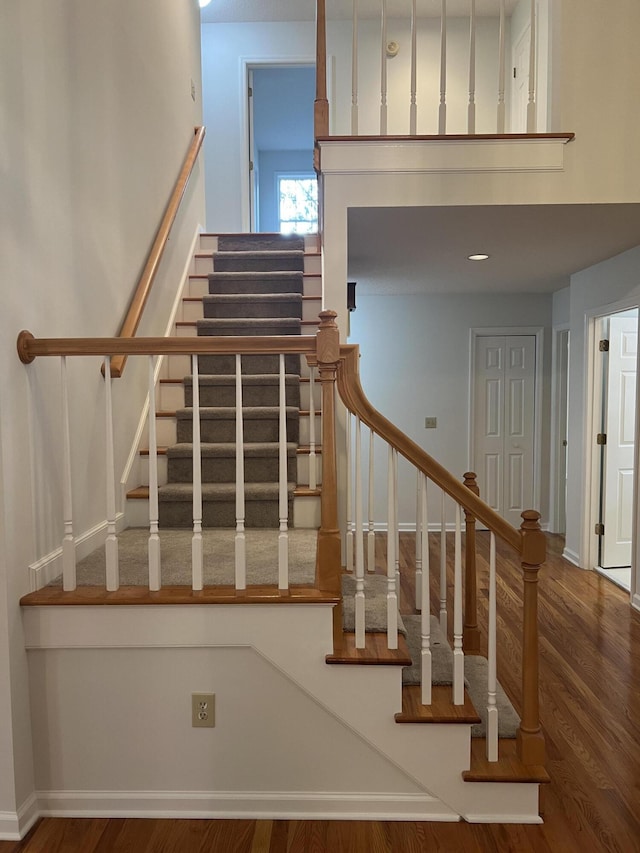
(238, 11)
(533, 248)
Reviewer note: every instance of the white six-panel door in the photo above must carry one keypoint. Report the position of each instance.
(617, 478)
(504, 422)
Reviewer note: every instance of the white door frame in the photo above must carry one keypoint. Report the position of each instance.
(591, 454)
(246, 63)
(538, 333)
(559, 416)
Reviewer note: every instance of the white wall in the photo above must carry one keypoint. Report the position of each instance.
(415, 364)
(97, 118)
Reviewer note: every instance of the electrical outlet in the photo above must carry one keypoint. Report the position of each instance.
(430, 423)
(203, 710)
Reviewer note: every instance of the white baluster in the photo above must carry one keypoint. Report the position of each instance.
(395, 515)
(240, 539)
(458, 654)
(153, 547)
(424, 603)
(419, 534)
(501, 71)
(313, 469)
(359, 602)
(442, 110)
(283, 537)
(371, 536)
(471, 113)
(197, 580)
(68, 541)
(383, 70)
(413, 109)
(492, 708)
(392, 541)
(443, 565)
(354, 71)
(111, 543)
(531, 105)
(349, 537)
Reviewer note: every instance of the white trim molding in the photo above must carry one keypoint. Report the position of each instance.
(15, 825)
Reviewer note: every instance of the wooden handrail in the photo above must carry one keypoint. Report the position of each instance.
(143, 288)
(30, 348)
(354, 398)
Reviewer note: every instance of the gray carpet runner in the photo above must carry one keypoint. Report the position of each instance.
(255, 289)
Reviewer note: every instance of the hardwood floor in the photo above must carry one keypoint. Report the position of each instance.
(590, 690)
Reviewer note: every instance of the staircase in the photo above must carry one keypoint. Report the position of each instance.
(241, 285)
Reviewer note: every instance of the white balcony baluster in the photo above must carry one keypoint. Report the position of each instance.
(283, 536)
(240, 539)
(413, 109)
(197, 579)
(354, 71)
(458, 654)
(111, 542)
(359, 602)
(501, 71)
(383, 69)
(442, 109)
(424, 597)
(68, 541)
(471, 112)
(492, 708)
(531, 105)
(419, 534)
(153, 546)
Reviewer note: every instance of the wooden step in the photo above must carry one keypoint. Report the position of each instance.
(375, 652)
(441, 709)
(508, 768)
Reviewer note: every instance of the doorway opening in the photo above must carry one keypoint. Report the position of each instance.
(280, 140)
(614, 427)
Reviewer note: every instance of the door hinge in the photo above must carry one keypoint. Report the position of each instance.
(599, 529)
(251, 165)
(250, 92)
(601, 438)
(603, 346)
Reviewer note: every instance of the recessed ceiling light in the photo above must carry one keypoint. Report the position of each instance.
(204, 3)
(478, 257)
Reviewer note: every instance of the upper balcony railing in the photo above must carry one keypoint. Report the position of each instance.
(416, 74)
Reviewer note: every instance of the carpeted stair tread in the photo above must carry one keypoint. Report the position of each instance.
(223, 306)
(274, 261)
(476, 672)
(223, 491)
(228, 449)
(225, 413)
(225, 365)
(257, 282)
(441, 654)
(253, 326)
(259, 242)
(375, 604)
(247, 379)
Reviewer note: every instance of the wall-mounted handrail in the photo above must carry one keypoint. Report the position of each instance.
(143, 288)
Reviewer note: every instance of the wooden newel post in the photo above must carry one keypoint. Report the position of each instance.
(471, 632)
(329, 550)
(321, 104)
(530, 740)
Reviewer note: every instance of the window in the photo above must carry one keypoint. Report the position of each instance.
(297, 204)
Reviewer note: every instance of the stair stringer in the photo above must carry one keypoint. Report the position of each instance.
(295, 638)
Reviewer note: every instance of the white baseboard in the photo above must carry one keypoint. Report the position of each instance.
(274, 805)
(44, 570)
(572, 557)
(501, 818)
(15, 825)
(635, 601)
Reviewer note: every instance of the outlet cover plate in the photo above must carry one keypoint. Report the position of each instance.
(203, 708)
(430, 423)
